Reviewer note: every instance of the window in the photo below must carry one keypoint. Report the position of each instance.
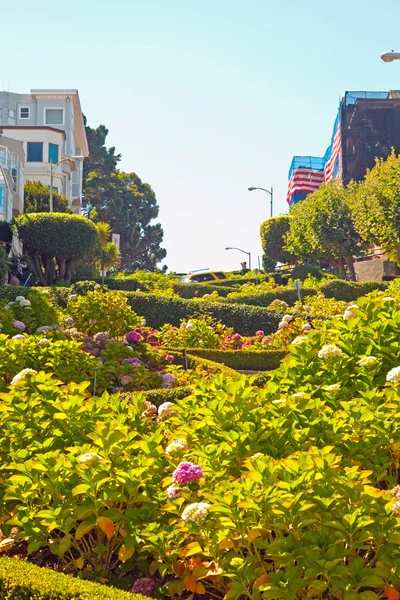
(203, 277)
(54, 116)
(35, 152)
(53, 153)
(12, 116)
(220, 275)
(24, 112)
(2, 198)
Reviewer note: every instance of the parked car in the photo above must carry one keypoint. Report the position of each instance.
(203, 276)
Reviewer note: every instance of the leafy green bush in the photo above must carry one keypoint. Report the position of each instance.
(127, 284)
(302, 271)
(37, 199)
(21, 580)
(194, 333)
(31, 310)
(190, 290)
(48, 236)
(158, 310)
(103, 311)
(348, 290)
(273, 239)
(288, 295)
(242, 360)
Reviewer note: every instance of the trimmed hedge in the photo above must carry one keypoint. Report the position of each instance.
(265, 298)
(160, 395)
(21, 580)
(236, 282)
(245, 320)
(127, 285)
(350, 290)
(243, 360)
(187, 290)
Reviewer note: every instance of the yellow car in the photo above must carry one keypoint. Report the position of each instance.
(203, 277)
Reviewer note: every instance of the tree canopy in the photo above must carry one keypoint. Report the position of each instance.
(37, 199)
(375, 203)
(55, 236)
(273, 233)
(322, 228)
(123, 201)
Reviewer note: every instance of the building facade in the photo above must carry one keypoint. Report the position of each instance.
(12, 160)
(367, 127)
(49, 123)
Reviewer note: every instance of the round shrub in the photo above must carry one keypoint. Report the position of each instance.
(273, 233)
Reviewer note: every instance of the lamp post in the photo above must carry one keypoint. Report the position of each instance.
(269, 192)
(244, 252)
(52, 167)
(390, 56)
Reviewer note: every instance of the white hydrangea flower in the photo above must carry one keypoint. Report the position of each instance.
(287, 318)
(24, 303)
(300, 339)
(19, 377)
(189, 326)
(44, 342)
(282, 325)
(335, 387)
(177, 446)
(387, 299)
(299, 395)
(394, 375)
(18, 336)
(330, 351)
(165, 409)
(72, 297)
(19, 298)
(196, 511)
(89, 458)
(368, 361)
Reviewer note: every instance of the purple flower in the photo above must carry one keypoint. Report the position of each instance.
(133, 336)
(136, 362)
(69, 320)
(19, 325)
(144, 586)
(186, 472)
(168, 380)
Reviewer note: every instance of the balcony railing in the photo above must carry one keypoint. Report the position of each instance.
(5, 157)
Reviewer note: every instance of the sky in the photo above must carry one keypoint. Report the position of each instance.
(204, 99)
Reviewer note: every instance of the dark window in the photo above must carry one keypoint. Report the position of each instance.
(203, 277)
(53, 153)
(35, 152)
(220, 275)
(24, 112)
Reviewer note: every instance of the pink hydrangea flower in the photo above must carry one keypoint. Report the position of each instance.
(19, 325)
(186, 472)
(136, 362)
(144, 586)
(168, 380)
(169, 358)
(306, 327)
(260, 332)
(133, 336)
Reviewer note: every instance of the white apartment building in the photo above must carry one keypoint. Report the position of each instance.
(12, 159)
(49, 123)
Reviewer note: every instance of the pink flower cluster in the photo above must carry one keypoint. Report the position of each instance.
(144, 586)
(132, 361)
(133, 336)
(186, 472)
(19, 325)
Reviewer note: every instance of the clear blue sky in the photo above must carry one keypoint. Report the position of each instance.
(206, 98)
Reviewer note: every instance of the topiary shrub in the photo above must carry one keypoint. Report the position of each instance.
(55, 236)
(243, 360)
(21, 580)
(302, 271)
(348, 290)
(273, 232)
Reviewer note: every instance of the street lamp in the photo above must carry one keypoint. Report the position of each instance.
(390, 56)
(269, 192)
(52, 167)
(244, 252)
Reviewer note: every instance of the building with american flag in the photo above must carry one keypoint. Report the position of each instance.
(367, 126)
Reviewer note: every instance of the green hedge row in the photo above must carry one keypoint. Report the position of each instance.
(243, 360)
(265, 298)
(245, 320)
(159, 396)
(236, 282)
(349, 290)
(187, 290)
(21, 580)
(128, 285)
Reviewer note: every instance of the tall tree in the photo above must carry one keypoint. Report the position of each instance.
(124, 202)
(273, 232)
(322, 228)
(37, 199)
(375, 204)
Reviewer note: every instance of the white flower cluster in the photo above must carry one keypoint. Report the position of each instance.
(89, 458)
(177, 446)
(368, 361)
(299, 395)
(330, 351)
(300, 339)
(165, 409)
(396, 493)
(19, 377)
(351, 311)
(394, 375)
(174, 491)
(334, 387)
(196, 511)
(23, 302)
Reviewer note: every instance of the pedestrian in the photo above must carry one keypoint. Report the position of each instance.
(14, 279)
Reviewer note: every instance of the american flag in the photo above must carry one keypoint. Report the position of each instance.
(333, 166)
(303, 181)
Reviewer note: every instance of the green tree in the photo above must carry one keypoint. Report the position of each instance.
(37, 199)
(375, 204)
(55, 237)
(322, 228)
(107, 254)
(273, 232)
(101, 159)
